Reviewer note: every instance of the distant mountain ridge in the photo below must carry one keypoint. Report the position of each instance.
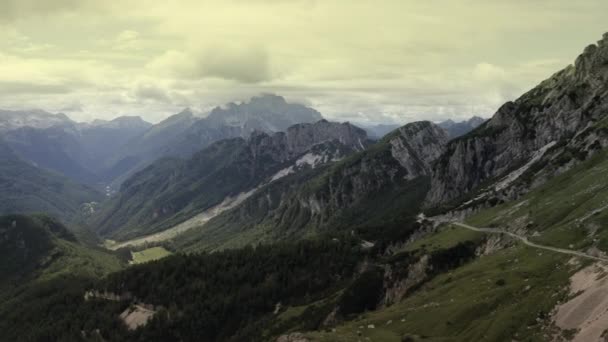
(28, 189)
(381, 185)
(104, 152)
(172, 190)
(183, 134)
(76, 150)
(456, 129)
(13, 119)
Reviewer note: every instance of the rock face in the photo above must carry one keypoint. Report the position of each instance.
(301, 137)
(385, 181)
(172, 190)
(404, 156)
(566, 109)
(184, 134)
(417, 146)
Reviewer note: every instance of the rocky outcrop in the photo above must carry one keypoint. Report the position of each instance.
(404, 156)
(557, 110)
(392, 172)
(174, 190)
(417, 146)
(293, 337)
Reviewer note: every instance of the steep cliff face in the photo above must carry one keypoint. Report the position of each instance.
(173, 190)
(391, 166)
(553, 115)
(416, 146)
(382, 184)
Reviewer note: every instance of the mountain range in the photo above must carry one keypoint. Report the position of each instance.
(454, 129)
(287, 227)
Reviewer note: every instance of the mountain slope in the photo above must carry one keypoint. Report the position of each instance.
(27, 189)
(183, 134)
(148, 146)
(44, 270)
(562, 116)
(376, 189)
(502, 295)
(173, 190)
(78, 151)
(38, 247)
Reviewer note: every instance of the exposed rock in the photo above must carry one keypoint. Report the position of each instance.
(417, 146)
(558, 109)
(227, 168)
(399, 287)
(137, 315)
(293, 337)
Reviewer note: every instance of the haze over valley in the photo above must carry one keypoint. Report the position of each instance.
(299, 171)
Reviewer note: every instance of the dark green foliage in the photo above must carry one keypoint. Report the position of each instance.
(55, 310)
(366, 193)
(211, 297)
(445, 259)
(364, 293)
(28, 189)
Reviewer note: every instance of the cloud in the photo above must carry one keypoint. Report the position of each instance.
(75, 106)
(150, 92)
(388, 60)
(126, 40)
(247, 65)
(17, 9)
(16, 87)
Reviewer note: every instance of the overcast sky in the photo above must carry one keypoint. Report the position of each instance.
(358, 60)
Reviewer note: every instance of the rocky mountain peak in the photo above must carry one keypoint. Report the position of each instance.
(417, 145)
(270, 113)
(301, 138)
(593, 62)
(559, 108)
(123, 122)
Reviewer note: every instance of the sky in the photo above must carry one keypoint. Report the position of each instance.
(380, 61)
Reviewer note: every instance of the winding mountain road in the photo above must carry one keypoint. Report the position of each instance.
(529, 243)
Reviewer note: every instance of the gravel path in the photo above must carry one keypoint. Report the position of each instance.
(529, 243)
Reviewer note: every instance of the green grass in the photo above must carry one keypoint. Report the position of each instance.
(79, 260)
(495, 298)
(149, 254)
(448, 237)
(554, 210)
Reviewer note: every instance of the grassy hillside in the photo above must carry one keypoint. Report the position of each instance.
(43, 271)
(499, 297)
(38, 248)
(28, 189)
(509, 293)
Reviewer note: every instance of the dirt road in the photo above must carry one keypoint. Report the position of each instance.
(529, 243)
